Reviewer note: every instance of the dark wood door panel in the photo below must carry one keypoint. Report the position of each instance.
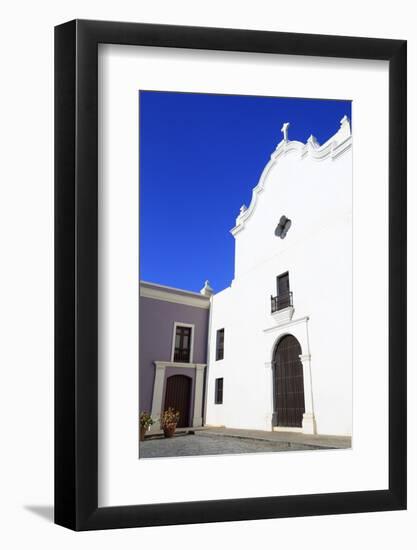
(289, 383)
(178, 396)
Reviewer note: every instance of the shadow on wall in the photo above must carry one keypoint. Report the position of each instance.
(45, 512)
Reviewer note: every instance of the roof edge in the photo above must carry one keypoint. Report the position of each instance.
(174, 290)
(332, 149)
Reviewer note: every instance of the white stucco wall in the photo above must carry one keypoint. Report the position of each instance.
(312, 186)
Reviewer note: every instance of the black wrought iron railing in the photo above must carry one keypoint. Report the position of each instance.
(281, 301)
(181, 355)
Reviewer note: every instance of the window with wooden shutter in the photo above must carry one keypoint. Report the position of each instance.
(218, 397)
(182, 344)
(220, 344)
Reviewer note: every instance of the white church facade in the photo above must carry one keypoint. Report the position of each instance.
(280, 337)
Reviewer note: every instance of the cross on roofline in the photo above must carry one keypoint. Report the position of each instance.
(284, 130)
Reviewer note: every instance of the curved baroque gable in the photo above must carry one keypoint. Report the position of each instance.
(332, 149)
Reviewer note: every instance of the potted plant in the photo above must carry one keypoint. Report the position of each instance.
(169, 421)
(145, 421)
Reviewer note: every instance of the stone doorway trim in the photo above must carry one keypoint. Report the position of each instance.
(299, 329)
(158, 390)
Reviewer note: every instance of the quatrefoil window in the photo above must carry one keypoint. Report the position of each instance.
(283, 227)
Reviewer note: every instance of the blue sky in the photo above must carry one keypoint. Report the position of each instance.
(200, 157)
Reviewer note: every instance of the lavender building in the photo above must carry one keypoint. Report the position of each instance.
(173, 333)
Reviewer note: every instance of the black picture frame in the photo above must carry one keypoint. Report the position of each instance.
(76, 272)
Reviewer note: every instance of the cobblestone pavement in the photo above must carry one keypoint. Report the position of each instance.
(202, 443)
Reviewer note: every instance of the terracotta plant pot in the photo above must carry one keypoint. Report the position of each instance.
(142, 433)
(169, 431)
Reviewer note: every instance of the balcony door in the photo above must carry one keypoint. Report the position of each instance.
(283, 291)
(283, 284)
(182, 349)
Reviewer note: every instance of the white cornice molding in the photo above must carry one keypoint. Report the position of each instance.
(173, 295)
(165, 364)
(287, 324)
(147, 284)
(332, 149)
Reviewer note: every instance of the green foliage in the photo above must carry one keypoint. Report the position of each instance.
(145, 419)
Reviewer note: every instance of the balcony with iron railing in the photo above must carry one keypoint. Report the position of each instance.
(282, 301)
(181, 355)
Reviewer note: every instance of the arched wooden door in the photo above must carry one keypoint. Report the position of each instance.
(178, 396)
(288, 384)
